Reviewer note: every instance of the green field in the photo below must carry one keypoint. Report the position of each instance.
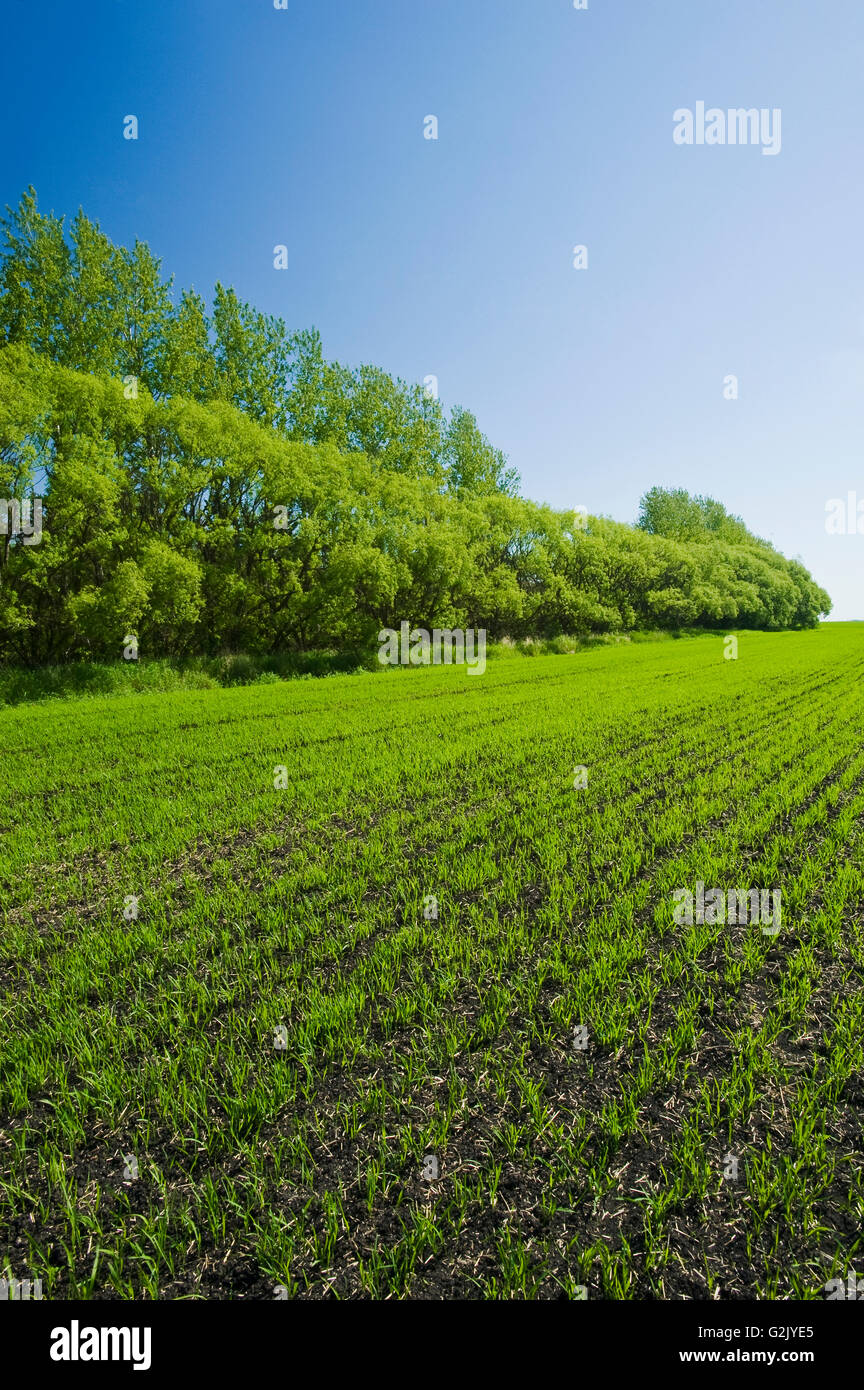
(287, 1043)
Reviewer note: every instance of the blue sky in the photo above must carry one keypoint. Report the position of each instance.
(453, 257)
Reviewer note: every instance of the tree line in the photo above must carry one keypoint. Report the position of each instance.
(210, 482)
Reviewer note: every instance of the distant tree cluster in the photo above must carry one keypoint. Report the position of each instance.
(211, 482)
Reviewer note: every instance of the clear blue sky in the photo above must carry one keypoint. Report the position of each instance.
(305, 127)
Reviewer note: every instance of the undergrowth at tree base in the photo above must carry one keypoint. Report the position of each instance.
(76, 679)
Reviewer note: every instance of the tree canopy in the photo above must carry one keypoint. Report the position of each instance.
(211, 482)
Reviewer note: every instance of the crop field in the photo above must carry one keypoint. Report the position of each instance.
(375, 985)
